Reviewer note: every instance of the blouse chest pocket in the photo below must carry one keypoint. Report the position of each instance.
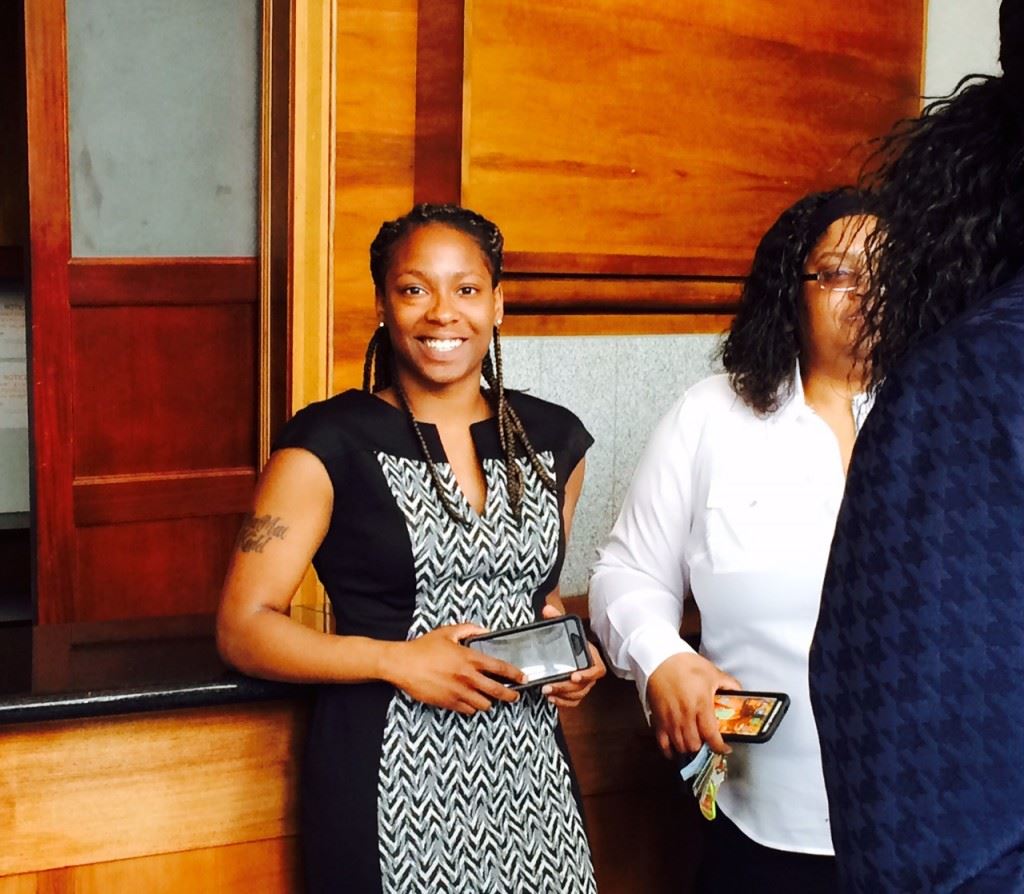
(751, 526)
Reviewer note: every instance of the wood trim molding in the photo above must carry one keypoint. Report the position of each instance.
(270, 866)
(616, 324)
(275, 215)
(440, 80)
(308, 244)
(117, 499)
(51, 359)
(311, 264)
(565, 264)
(97, 282)
(593, 295)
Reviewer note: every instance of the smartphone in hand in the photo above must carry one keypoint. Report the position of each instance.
(749, 716)
(546, 652)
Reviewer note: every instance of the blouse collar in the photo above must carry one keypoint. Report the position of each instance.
(795, 404)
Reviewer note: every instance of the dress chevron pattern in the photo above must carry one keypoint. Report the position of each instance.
(396, 796)
(482, 803)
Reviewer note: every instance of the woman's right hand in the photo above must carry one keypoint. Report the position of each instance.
(680, 694)
(437, 670)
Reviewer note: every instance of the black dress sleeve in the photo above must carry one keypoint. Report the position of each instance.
(578, 442)
(553, 427)
(318, 428)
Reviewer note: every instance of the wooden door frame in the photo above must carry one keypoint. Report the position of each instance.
(49, 310)
(297, 199)
(296, 254)
(297, 221)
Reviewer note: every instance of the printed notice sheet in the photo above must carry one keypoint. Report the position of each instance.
(14, 454)
(13, 377)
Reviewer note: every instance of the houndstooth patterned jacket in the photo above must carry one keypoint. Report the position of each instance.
(917, 667)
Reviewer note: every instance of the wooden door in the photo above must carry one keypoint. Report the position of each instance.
(144, 387)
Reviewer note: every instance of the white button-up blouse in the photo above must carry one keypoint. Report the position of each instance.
(737, 510)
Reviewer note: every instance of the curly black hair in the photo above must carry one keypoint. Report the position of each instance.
(761, 350)
(949, 189)
(485, 233)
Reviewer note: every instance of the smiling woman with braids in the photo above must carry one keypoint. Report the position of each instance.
(432, 509)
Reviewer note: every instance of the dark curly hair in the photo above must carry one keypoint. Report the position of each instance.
(761, 350)
(379, 369)
(949, 188)
(485, 233)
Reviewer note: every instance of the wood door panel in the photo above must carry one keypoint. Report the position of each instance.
(631, 795)
(74, 792)
(52, 346)
(673, 131)
(111, 281)
(130, 498)
(644, 841)
(164, 388)
(612, 746)
(151, 569)
(375, 129)
(144, 392)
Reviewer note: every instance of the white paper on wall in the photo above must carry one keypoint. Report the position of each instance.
(12, 325)
(13, 379)
(14, 452)
(13, 394)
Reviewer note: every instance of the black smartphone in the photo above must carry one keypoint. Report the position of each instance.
(749, 716)
(546, 651)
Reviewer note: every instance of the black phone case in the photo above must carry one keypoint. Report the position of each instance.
(777, 719)
(577, 627)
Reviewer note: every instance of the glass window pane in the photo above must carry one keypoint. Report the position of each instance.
(164, 117)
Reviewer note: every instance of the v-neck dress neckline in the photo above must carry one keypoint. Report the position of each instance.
(484, 434)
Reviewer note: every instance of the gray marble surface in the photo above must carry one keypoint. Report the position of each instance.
(620, 386)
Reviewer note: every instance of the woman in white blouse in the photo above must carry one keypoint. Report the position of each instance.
(734, 502)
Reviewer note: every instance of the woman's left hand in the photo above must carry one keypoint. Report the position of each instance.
(569, 693)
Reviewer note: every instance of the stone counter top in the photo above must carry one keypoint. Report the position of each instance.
(65, 671)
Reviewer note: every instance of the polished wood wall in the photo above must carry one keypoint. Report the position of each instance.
(269, 867)
(205, 800)
(375, 127)
(632, 153)
(200, 800)
(144, 395)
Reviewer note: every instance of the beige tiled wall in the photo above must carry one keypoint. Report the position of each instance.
(619, 386)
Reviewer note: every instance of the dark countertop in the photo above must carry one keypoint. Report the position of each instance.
(65, 671)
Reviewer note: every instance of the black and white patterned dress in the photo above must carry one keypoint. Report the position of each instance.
(398, 796)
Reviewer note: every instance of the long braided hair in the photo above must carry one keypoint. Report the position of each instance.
(379, 366)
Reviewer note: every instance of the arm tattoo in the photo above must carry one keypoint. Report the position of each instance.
(257, 532)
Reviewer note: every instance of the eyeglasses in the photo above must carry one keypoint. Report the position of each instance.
(841, 280)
